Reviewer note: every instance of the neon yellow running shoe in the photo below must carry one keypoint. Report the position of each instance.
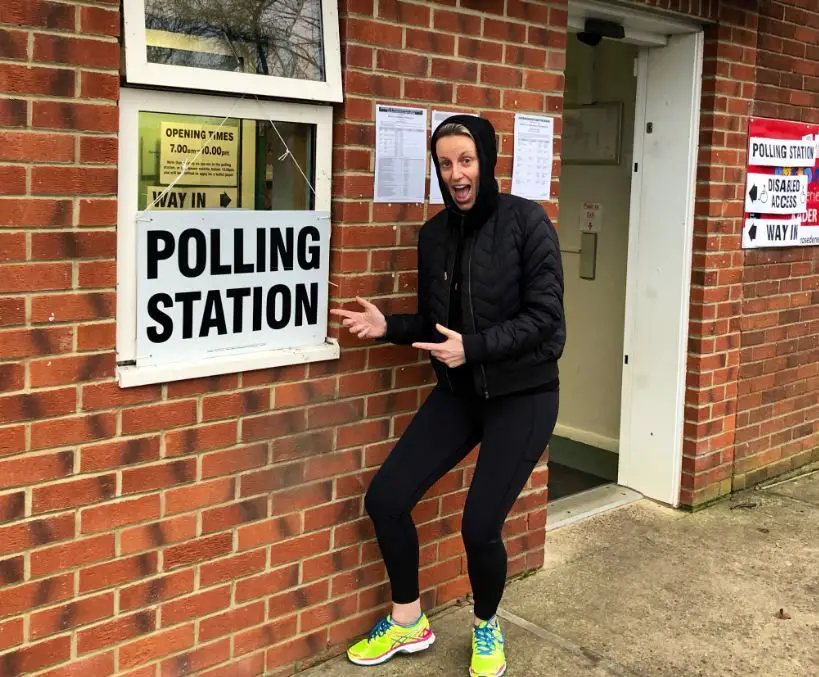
(488, 659)
(388, 638)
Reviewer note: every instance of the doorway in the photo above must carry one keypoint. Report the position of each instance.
(629, 149)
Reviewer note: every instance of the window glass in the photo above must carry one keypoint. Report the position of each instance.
(236, 164)
(282, 38)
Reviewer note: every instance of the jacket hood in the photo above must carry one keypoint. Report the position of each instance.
(484, 135)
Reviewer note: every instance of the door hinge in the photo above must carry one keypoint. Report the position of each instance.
(650, 128)
(636, 167)
(626, 359)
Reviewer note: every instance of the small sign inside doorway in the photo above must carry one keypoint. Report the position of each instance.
(591, 217)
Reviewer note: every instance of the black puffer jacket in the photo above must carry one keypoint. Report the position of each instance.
(512, 317)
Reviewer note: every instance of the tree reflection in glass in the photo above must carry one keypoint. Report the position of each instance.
(267, 37)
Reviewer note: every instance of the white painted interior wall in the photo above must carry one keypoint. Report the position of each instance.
(591, 369)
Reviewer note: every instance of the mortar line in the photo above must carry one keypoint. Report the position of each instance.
(588, 655)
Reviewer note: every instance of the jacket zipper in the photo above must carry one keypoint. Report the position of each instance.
(472, 312)
(448, 297)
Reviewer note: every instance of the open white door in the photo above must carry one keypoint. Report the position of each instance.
(659, 267)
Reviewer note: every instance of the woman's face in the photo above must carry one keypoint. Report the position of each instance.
(458, 160)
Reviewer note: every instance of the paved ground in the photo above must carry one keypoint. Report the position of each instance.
(647, 591)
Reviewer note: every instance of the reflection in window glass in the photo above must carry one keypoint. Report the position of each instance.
(239, 165)
(266, 37)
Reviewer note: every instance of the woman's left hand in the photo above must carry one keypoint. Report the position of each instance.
(450, 352)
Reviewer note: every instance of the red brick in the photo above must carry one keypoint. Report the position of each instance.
(113, 632)
(72, 430)
(12, 312)
(232, 568)
(430, 42)
(373, 33)
(234, 460)
(233, 514)
(98, 212)
(156, 590)
(99, 21)
(192, 607)
(198, 550)
(23, 598)
(73, 181)
(257, 638)
(95, 85)
(299, 548)
(73, 615)
(101, 665)
(12, 180)
(93, 53)
(35, 657)
(72, 308)
(456, 22)
(201, 438)
(158, 417)
(121, 452)
(158, 476)
(11, 633)
(404, 13)
(12, 441)
(34, 276)
(37, 13)
(231, 621)
(79, 116)
(38, 405)
(73, 494)
(95, 337)
(199, 496)
(33, 469)
(36, 147)
(14, 44)
(37, 80)
(110, 516)
(156, 534)
(401, 62)
(228, 405)
(72, 555)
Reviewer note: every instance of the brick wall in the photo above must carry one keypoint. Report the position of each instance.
(778, 406)
(216, 527)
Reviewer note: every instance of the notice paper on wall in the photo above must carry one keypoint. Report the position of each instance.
(435, 196)
(400, 153)
(782, 186)
(532, 165)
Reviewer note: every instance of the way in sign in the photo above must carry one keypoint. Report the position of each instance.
(770, 233)
(192, 198)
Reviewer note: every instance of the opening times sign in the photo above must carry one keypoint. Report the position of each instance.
(212, 283)
(782, 188)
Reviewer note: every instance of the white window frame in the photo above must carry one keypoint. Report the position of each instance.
(132, 103)
(138, 70)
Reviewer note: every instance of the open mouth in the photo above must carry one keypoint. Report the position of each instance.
(461, 192)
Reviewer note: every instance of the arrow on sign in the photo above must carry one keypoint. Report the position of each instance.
(224, 200)
(752, 230)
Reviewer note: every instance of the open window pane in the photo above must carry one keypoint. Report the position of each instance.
(236, 164)
(281, 38)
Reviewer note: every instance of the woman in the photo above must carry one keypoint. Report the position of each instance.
(490, 314)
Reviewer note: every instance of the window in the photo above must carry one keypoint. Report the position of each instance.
(194, 152)
(281, 48)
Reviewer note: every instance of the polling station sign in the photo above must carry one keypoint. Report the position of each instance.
(782, 187)
(211, 154)
(216, 282)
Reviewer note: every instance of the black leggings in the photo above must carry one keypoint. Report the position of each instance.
(513, 432)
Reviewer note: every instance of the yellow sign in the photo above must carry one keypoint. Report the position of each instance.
(192, 198)
(217, 163)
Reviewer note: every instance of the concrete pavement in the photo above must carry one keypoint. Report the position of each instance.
(648, 591)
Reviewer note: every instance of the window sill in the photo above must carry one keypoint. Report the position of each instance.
(130, 376)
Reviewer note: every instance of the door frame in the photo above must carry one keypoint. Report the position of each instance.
(650, 29)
